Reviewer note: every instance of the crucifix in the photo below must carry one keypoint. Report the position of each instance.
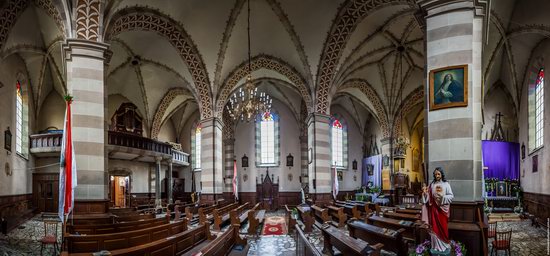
(497, 134)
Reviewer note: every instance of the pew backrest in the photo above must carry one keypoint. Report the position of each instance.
(303, 246)
(91, 229)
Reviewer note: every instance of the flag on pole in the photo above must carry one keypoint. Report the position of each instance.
(235, 180)
(335, 184)
(67, 172)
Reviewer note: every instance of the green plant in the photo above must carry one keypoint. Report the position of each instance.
(375, 190)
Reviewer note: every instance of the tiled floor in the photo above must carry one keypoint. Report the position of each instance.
(526, 240)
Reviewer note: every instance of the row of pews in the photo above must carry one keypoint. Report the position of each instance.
(371, 228)
(131, 232)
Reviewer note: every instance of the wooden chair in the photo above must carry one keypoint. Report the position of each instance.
(492, 230)
(50, 235)
(502, 242)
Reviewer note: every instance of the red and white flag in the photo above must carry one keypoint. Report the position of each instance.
(335, 184)
(67, 172)
(235, 180)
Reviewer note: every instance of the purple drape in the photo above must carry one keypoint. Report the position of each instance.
(501, 159)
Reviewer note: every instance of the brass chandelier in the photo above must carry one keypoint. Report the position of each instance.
(246, 104)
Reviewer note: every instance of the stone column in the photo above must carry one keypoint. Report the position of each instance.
(304, 163)
(85, 82)
(319, 170)
(454, 37)
(229, 148)
(169, 183)
(158, 199)
(211, 160)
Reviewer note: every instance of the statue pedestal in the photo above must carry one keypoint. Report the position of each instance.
(446, 252)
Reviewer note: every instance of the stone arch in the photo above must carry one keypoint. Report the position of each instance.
(372, 96)
(259, 62)
(146, 19)
(349, 16)
(161, 109)
(413, 99)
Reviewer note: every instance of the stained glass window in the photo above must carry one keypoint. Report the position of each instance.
(539, 109)
(197, 148)
(337, 143)
(267, 139)
(19, 120)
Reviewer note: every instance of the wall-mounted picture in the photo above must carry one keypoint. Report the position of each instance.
(535, 161)
(386, 160)
(370, 169)
(340, 176)
(449, 87)
(502, 189)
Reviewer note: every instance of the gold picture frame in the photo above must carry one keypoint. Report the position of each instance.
(449, 87)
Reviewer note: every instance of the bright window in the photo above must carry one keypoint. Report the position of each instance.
(539, 109)
(267, 139)
(19, 120)
(197, 148)
(337, 143)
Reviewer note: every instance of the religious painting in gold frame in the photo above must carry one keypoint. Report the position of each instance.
(449, 87)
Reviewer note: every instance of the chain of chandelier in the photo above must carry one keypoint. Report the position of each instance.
(245, 104)
(401, 142)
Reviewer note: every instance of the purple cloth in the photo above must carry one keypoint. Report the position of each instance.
(501, 159)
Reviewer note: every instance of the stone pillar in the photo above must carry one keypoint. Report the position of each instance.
(158, 189)
(211, 160)
(454, 37)
(85, 82)
(169, 183)
(304, 163)
(229, 148)
(319, 170)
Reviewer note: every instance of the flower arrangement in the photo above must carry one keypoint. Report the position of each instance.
(423, 249)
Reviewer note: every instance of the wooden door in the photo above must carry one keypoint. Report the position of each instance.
(46, 192)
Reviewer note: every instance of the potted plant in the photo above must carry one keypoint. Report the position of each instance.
(375, 191)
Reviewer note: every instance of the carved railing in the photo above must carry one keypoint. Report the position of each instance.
(46, 140)
(133, 141)
(180, 156)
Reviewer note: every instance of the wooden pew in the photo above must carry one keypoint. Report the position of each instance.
(402, 216)
(239, 215)
(205, 213)
(121, 240)
(321, 214)
(100, 218)
(346, 244)
(291, 221)
(412, 232)
(221, 215)
(168, 246)
(338, 214)
(91, 229)
(408, 211)
(351, 210)
(303, 246)
(307, 219)
(119, 219)
(223, 244)
(392, 239)
(255, 219)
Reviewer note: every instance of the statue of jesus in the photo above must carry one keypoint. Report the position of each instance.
(437, 200)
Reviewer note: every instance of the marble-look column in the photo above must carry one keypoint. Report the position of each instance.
(229, 155)
(319, 170)
(169, 184)
(158, 199)
(211, 160)
(304, 163)
(84, 62)
(454, 37)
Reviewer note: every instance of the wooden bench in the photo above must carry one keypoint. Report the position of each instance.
(90, 229)
(239, 215)
(413, 230)
(255, 219)
(291, 221)
(346, 244)
(119, 219)
(223, 244)
(121, 240)
(402, 216)
(349, 209)
(306, 218)
(303, 246)
(408, 211)
(321, 214)
(221, 215)
(338, 214)
(168, 246)
(392, 239)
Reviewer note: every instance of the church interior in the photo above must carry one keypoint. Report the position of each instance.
(274, 127)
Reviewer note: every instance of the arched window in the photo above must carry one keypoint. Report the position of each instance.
(19, 119)
(196, 148)
(338, 143)
(536, 112)
(267, 139)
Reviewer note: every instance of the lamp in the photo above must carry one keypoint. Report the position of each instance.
(246, 104)
(401, 142)
(7, 139)
(289, 160)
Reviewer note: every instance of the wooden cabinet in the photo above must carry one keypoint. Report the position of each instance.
(268, 193)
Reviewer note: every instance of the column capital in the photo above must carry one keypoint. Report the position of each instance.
(435, 7)
(212, 121)
(229, 141)
(318, 117)
(85, 48)
(158, 159)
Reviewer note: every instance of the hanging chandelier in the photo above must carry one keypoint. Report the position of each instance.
(246, 104)
(401, 143)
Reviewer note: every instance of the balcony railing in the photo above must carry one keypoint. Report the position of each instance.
(179, 156)
(133, 141)
(47, 140)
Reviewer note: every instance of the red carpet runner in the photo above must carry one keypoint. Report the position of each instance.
(274, 226)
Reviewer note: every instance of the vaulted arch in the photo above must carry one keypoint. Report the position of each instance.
(162, 108)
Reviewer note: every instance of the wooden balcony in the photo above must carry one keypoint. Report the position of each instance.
(121, 146)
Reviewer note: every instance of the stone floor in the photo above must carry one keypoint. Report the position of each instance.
(25, 241)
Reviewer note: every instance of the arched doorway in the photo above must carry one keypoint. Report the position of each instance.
(120, 188)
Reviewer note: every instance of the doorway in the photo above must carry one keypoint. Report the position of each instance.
(120, 191)
(46, 191)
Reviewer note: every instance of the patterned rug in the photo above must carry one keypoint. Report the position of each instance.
(274, 225)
